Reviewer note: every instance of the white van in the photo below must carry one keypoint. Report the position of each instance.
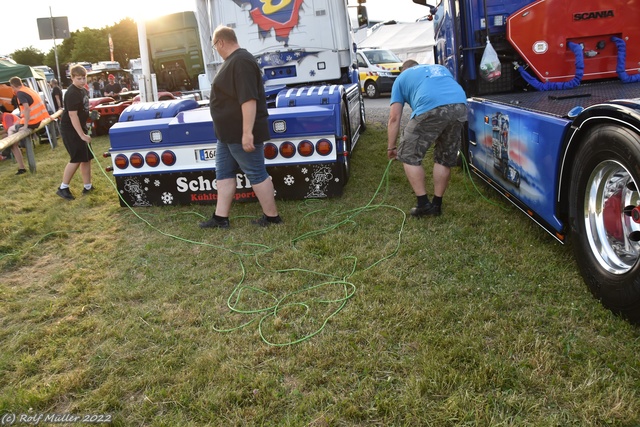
(378, 69)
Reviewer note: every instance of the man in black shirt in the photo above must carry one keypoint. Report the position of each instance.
(112, 88)
(56, 94)
(239, 110)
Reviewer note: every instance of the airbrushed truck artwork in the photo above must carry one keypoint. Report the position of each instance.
(163, 153)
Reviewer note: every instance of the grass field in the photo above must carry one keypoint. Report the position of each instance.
(349, 314)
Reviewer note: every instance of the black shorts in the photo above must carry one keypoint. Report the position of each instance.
(78, 149)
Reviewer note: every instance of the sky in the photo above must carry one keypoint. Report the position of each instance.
(23, 32)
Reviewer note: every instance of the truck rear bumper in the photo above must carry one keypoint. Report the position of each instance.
(301, 181)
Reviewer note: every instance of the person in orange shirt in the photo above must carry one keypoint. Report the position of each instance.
(32, 110)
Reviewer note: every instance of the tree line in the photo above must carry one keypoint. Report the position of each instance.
(87, 45)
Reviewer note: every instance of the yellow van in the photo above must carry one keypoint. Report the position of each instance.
(378, 69)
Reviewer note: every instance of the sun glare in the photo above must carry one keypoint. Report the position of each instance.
(145, 11)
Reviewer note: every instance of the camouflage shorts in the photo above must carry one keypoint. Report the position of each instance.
(441, 127)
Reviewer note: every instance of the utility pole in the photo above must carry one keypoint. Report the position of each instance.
(55, 46)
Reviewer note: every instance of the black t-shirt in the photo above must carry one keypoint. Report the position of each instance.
(239, 80)
(56, 91)
(24, 98)
(76, 99)
(115, 88)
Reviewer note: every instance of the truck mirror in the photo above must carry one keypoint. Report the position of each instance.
(363, 18)
(432, 9)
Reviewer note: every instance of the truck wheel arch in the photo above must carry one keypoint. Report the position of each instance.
(582, 125)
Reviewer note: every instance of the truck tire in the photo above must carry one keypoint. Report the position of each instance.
(604, 237)
(371, 89)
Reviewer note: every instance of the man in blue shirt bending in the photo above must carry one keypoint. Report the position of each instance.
(439, 109)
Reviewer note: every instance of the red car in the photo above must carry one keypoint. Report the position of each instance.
(108, 110)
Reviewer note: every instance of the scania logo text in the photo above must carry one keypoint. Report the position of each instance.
(583, 16)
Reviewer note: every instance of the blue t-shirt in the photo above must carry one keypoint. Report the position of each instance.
(425, 87)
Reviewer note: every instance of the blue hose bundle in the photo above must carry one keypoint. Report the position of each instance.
(622, 57)
(577, 51)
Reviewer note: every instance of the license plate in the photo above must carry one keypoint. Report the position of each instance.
(206, 154)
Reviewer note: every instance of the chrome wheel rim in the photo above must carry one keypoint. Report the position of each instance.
(610, 231)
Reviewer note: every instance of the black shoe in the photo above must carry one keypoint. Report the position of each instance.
(265, 221)
(65, 194)
(87, 191)
(21, 171)
(215, 223)
(427, 210)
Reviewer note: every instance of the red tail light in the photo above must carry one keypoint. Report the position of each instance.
(270, 151)
(287, 149)
(168, 157)
(137, 161)
(305, 148)
(152, 159)
(121, 161)
(324, 147)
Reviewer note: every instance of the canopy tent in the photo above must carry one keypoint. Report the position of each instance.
(8, 69)
(31, 77)
(409, 41)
